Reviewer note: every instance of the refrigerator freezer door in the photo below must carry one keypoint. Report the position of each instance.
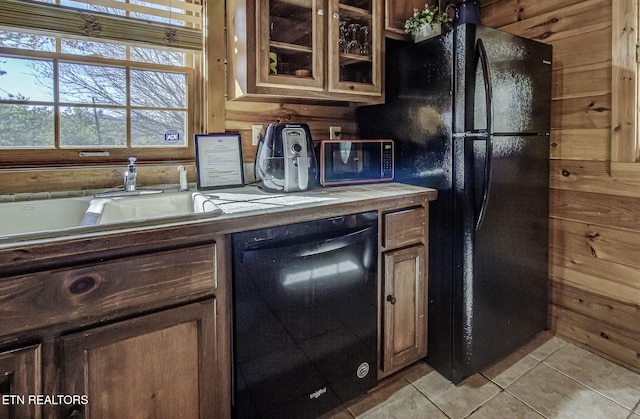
(519, 70)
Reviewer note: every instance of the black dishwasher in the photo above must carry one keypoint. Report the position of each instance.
(304, 316)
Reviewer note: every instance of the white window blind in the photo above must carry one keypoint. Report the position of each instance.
(168, 23)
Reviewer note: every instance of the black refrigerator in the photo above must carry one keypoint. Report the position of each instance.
(470, 115)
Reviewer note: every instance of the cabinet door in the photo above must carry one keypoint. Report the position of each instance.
(405, 316)
(290, 38)
(396, 13)
(158, 365)
(19, 378)
(355, 46)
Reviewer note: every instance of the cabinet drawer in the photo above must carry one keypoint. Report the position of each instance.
(402, 228)
(103, 290)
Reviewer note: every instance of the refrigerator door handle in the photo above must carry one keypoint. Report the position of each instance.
(484, 62)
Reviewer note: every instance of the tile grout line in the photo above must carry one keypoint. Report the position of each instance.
(632, 410)
(635, 408)
(425, 396)
(505, 390)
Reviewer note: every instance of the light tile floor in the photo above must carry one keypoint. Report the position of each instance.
(548, 378)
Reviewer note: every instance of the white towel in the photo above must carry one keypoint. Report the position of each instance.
(202, 203)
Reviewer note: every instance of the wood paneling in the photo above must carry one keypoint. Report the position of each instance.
(594, 259)
(567, 52)
(581, 112)
(580, 144)
(624, 144)
(573, 20)
(240, 115)
(613, 211)
(499, 13)
(588, 80)
(599, 242)
(594, 334)
(610, 280)
(88, 178)
(591, 176)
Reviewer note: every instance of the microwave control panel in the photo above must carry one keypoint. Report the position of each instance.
(387, 159)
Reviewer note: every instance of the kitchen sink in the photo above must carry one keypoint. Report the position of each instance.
(41, 215)
(140, 207)
(168, 204)
(110, 208)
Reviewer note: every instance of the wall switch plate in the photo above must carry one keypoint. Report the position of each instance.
(256, 132)
(335, 133)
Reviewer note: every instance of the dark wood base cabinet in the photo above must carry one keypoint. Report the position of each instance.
(131, 337)
(159, 365)
(404, 289)
(19, 377)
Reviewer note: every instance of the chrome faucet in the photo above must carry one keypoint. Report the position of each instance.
(130, 175)
(130, 188)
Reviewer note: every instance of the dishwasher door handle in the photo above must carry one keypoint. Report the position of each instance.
(304, 246)
(335, 243)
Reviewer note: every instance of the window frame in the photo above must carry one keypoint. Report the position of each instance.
(67, 156)
(625, 138)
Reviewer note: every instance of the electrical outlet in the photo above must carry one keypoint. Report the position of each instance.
(335, 133)
(256, 132)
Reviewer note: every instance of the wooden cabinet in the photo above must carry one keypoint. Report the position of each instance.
(404, 285)
(305, 49)
(20, 377)
(162, 364)
(396, 13)
(135, 336)
(355, 48)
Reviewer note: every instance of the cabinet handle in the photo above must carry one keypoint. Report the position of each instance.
(320, 12)
(336, 15)
(391, 299)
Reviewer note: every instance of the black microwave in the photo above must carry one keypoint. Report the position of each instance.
(344, 162)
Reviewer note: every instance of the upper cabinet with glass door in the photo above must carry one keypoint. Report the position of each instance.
(290, 39)
(305, 49)
(354, 45)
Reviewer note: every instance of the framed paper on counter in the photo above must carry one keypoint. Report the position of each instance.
(218, 161)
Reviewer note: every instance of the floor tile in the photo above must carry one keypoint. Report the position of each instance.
(378, 396)
(340, 413)
(504, 405)
(406, 402)
(613, 381)
(543, 345)
(547, 378)
(507, 370)
(557, 396)
(457, 401)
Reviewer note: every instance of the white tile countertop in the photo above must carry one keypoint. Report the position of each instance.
(231, 205)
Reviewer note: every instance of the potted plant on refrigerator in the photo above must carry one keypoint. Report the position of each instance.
(426, 23)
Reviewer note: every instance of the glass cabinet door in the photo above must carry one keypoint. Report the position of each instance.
(290, 34)
(355, 46)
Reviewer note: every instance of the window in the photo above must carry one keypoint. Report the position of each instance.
(625, 136)
(68, 96)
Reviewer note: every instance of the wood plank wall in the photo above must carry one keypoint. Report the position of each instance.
(595, 218)
(241, 115)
